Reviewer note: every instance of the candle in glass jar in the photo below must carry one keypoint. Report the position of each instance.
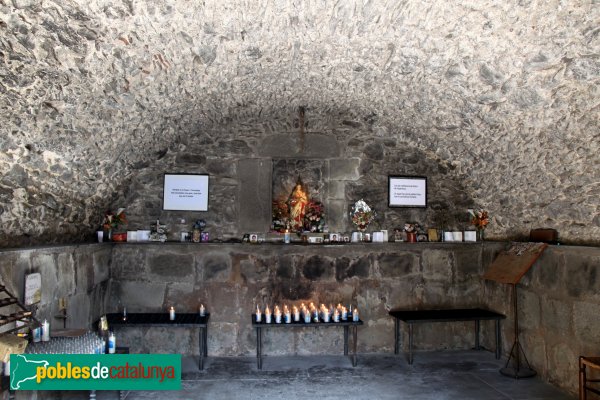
(355, 316)
(277, 314)
(202, 310)
(336, 315)
(172, 313)
(296, 314)
(344, 314)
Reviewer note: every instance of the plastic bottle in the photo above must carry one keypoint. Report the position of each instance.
(112, 343)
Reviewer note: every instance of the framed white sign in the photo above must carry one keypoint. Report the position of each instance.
(33, 288)
(407, 191)
(185, 192)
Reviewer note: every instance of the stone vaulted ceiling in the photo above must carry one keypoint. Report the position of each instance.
(506, 94)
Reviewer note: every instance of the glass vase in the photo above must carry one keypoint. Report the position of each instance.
(480, 235)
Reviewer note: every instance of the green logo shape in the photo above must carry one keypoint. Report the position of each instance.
(95, 371)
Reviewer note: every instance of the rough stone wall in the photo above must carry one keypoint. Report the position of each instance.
(80, 274)
(559, 304)
(94, 92)
(230, 280)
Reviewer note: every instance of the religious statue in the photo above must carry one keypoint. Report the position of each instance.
(297, 202)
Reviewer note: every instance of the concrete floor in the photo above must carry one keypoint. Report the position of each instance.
(434, 375)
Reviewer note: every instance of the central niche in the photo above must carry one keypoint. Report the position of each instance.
(299, 192)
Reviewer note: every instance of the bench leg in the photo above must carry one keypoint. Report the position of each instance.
(410, 343)
(355, 343)
(396, 335)
(259, 348)
(201, 348)
(206, 341)
(498, 340)
(477, 329)
(346, 340)
(582, 381)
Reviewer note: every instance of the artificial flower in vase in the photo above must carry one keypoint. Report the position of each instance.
(480, 219)
(112, 222)
(362, 215)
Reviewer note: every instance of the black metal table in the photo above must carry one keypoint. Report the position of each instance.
(345, 324)
(446, 315)
(185, 320)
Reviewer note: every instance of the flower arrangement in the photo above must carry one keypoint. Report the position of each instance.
(280, 214)
(362, 215)
(113, 221)
(314, 217)
(480, 218)
(410, 227)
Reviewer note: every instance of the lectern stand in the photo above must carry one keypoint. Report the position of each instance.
(509, 267)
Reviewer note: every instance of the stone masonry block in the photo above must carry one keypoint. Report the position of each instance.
(585, 321)
(140, 296)
(530, 309)
(45, 264)
(101, 265)
(214, 267)
(254, 194)
(437, 265)
(396, 265)
(344, 169)
(557, 317)
(337, 190)
(337, 218)
(172, 267)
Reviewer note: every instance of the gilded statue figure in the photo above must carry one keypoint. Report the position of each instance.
(297, 202)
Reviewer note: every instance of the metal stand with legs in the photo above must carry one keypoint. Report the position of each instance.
(518, 370)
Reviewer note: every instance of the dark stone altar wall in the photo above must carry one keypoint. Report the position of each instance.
(231, 279)
(245, 174)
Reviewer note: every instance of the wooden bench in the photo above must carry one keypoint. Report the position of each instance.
(446, 315)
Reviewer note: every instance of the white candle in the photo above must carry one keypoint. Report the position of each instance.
(258, 314)
(268, 315)
(46, 331)
(202, 310)
(172, 314)
(344, 314)
(355, 317)
(277, 314)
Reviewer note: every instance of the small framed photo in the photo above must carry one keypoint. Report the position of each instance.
(335, 237)
(407, 191)
(253, 238)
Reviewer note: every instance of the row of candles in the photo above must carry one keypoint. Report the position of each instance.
(201, 312)
(307, 314)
